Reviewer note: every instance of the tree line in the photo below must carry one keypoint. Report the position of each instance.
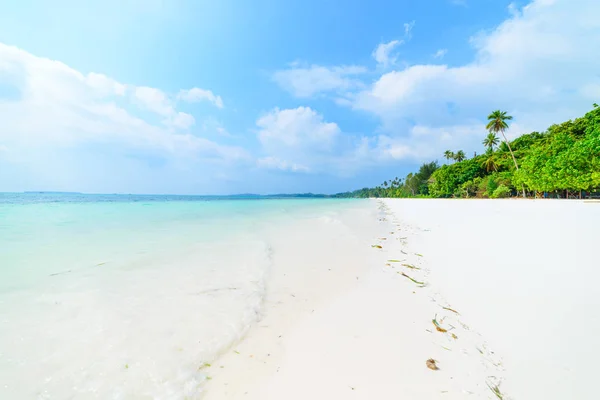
(563, 161)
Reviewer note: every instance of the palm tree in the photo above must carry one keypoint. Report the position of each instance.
(497, 123)
(490, 162)
(460, 155)
(490, 141)
(449, 155)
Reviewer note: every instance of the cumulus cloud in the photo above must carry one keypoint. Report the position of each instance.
(533, 65)
(154, 100)
(182, 120)
(299, 140)
(194, 95)
(307, 81)
(59, 106)
(300, 127)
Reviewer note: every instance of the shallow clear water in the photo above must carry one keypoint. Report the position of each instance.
(116, 296)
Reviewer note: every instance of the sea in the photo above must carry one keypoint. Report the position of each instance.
(130, 296)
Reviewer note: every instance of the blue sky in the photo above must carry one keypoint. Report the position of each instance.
(270, 96)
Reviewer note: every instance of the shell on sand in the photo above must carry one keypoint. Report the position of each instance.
(431, 364)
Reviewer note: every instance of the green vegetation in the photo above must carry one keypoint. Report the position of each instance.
(564, 162)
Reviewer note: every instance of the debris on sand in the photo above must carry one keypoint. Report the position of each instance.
(437, 326)
(410, 266)
(450, 309)
(431, 364)
(414, 280)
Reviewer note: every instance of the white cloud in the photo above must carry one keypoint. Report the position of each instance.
(440, 53)
(154, 100)
(383, 53)
(307, 81)
(275, 163)
(533, 65)
(105, 85)
(196, 94)
(427, 143)
(61, 107)
(299, 140)
(157, 101)
(183, 120)
(298, 127)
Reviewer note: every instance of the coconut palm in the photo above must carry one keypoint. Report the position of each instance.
(497, 123)
(490, 163)
(449, 155)
(460, 155)
(490, 141)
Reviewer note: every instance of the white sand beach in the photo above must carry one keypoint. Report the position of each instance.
(303, 299)
(511, 285)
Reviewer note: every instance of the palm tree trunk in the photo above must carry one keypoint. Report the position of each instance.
(514, 160)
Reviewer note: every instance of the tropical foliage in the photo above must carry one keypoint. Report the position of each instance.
(564, 161)
(491, 141)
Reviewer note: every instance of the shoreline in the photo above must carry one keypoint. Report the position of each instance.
(306, 273)
(358, 339)
(511, 323)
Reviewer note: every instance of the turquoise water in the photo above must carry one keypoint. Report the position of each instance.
(94, 284)
(44, 234)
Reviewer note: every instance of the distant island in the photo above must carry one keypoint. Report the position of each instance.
(50, 192)
(562, 162)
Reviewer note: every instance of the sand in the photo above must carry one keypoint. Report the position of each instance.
(341, 321)
(525, 273)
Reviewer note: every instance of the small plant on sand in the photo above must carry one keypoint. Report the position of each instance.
(496, 390)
